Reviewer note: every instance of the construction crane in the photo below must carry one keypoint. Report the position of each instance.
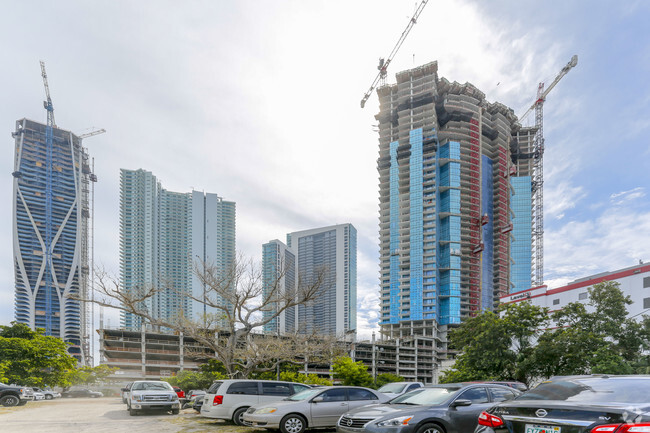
(537, 271)
(92, 133)
(383, 63)
(48, 102)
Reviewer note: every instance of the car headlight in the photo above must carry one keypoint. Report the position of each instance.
(174, 397)
(136, 397)
(402, 420)
(266, 410)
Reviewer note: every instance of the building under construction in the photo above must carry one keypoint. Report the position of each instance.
(445, 217)
(52, 181)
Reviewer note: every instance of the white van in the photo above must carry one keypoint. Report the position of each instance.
(229, 399)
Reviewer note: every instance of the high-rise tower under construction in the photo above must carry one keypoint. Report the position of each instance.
(51, 208)
(445, 225)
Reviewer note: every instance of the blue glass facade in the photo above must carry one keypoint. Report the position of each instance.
(487, 258)
(416, 227)
(449, 245)
(521, 245)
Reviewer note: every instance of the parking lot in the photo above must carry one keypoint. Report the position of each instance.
(100, 415)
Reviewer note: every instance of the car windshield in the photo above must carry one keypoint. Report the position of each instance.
(152, 386)
(393, 388)
(426, 396)
(592, 390)
(304, 395)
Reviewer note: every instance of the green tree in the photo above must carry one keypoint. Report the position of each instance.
(308, 379)
(384, 378)
(187, 379)
(351, 373)
(90, 375)
(33, 359)
(497, 346)
(599, 339)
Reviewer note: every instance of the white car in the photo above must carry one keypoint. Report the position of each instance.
(313, 408)
(229, 399)
(48, 393)
(394, 389)
(39, 395)
(152, 395)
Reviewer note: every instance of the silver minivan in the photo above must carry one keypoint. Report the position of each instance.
(229, 399)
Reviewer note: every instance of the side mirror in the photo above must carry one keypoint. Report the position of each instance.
(461, 402)
(317, 399)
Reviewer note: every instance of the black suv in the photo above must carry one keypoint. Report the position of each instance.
(15, 395)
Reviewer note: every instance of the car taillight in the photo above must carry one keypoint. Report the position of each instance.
(622, 428)
(489, 420)
(218, 399)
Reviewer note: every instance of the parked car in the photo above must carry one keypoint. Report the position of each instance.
(179, 392)
(11, 395)
(394, 389)
(449, 408)
(512, 384)
(39, 396)
(229, 399)
(48, 393)
(312, 408)
(575, 404)
(81, 392)
(194, 399)
(125, 392)
(152, 395)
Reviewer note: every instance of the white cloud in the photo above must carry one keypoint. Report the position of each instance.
(615, 239)
(623, 197)
(560, 198)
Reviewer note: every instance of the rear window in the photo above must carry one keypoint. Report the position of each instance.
(215, 386)
(245, 388)
(394, 388)
(592, 390)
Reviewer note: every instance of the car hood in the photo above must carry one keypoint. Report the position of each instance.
(379, 410)
(150, 392)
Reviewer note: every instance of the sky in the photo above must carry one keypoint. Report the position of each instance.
(258, 101)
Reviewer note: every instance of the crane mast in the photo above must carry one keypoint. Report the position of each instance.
(537, 269)
(383, 63)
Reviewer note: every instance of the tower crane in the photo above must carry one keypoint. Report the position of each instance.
(383, 63)
(537, 271)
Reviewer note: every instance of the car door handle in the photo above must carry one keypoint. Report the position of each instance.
(343, 404)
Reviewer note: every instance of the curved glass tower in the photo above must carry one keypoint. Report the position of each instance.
(50, 230)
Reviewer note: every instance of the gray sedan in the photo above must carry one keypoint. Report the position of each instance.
(311, 408)
(450, 408)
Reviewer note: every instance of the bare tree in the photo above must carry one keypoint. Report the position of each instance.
(244, 304)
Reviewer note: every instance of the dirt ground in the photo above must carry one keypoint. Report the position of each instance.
(104, 415)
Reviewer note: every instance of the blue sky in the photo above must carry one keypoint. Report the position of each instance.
(259, 102)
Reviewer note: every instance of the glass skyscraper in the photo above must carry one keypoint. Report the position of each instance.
(445, 226)
(163, 235)
(50, 232)
(332, 250)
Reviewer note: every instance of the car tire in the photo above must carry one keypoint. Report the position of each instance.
(22, 403)
(133, 412)
(48, 397)
(430, 428)
(9, 400)
(293, 424)
(175, 411)
(238, 416)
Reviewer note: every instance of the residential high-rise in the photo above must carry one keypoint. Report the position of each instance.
(331, 250)
(445, 227)
(51, 211)
(163, 235)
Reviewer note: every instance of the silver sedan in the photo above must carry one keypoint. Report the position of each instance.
(311, 408)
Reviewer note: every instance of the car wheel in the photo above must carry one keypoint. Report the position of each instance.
(293, 424)
(133, 412)
(175, 411)
(430, 428)
(238, 416)
(22, 403)
(9, 400)
(48, 397)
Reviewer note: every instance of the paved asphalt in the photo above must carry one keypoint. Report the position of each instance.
(104, 415)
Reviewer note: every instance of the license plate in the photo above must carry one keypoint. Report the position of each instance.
(536, 428)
